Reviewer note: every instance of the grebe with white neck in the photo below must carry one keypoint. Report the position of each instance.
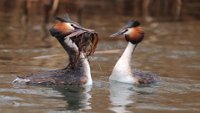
(79, 43)
(122, 71)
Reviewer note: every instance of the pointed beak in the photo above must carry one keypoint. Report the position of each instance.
(120, 32)
(75, 25)
(82, 28)
(123, 29)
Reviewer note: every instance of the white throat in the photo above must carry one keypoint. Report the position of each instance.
(122, 70)
(87, 70)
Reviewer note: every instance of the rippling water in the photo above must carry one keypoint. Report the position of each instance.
(170, 49)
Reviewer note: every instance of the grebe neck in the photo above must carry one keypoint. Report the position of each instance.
(85, 68)
(71, 49)
(122, 70)
(127, 54)
(77, 59)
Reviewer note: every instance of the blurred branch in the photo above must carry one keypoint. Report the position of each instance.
(178, 9)
(54, 7)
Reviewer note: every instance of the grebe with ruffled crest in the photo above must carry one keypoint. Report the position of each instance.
(79, 43)
(122, 71)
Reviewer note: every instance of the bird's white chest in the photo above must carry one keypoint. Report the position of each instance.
(87, 71)
(122, 70)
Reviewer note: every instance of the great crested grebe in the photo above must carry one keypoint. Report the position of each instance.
(122, 71)
(79, 43)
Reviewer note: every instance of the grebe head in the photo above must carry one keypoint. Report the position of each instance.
(65, 26)
(132, 31)
(82, 38)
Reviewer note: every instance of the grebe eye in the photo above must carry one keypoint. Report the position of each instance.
(75, 26)
(124, 31)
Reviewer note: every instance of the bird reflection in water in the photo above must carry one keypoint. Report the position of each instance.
(77, 98)
(120, 97)
(124, 96)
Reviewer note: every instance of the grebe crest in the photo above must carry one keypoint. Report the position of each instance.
(122, 71)
(79, 43)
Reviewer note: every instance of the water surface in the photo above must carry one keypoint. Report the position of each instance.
(170, 49)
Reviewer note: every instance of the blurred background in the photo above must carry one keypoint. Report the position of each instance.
(101, 15)
(171, 49)
(32, 18)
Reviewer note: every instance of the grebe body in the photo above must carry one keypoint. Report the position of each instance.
(78, 75)
(122, 71)
(79, 43)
